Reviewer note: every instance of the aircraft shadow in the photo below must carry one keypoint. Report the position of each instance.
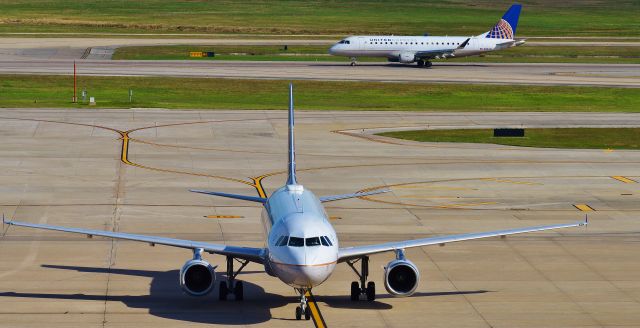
(343, 302)
(166, 299)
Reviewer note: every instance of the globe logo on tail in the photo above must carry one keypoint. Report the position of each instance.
(502, 30)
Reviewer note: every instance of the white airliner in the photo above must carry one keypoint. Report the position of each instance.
(301, 246)
(421, 49)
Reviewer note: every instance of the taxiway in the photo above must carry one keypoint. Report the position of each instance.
(67, 167)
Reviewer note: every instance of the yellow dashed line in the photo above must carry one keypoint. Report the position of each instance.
(584, 207)
(624, 179)
(224, 217)
(511, 181)
(318, 320)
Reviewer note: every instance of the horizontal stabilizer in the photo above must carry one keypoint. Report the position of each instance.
(331, 198)
(235, 196)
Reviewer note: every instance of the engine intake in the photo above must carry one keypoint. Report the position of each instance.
(407, 57)
(197, 277)
(401, 277)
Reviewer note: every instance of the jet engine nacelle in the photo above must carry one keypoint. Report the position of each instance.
(407, 57)
(401, 277)
(197, 277)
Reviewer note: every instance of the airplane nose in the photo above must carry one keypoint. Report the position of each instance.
(332, 50)
(315, 275)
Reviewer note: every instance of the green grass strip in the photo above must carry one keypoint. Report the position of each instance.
(204, 93)
(578, 138)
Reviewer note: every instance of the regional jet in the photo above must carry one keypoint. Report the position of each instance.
(421, 49)
(301, 246)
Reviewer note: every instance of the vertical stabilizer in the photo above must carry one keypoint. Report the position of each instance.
(292, 148)
(506, 27)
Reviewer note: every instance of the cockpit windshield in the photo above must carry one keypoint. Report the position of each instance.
(313, 241)
(344, 42)
(300, 242)
(296, 242)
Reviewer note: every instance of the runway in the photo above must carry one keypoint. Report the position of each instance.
(67, 167)
(627, 76)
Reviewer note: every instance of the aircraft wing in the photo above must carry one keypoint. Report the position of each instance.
(245, 253)
(331, 198)
(348, 253)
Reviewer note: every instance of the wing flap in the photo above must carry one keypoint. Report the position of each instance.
(358, 251)
(246, 253)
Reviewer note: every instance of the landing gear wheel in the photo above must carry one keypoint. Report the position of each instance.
(223, 291)
(371, 291)
(420, 63)
(428, 64)
(358, 289)
(353, 61)
(307, 313)
(355, 291)
(298, 313)
(238, 291)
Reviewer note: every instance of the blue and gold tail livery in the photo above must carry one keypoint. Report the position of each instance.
(506, 27)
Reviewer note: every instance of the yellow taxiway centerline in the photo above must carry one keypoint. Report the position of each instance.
(584, 207)
(318, 320)
(624, 179)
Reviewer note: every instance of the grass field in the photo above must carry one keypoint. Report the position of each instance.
(579, 138)
(540, 18)
(528, 54)
(112, 92)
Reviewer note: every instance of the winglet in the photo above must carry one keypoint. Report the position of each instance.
(464, 44)
(291, 180)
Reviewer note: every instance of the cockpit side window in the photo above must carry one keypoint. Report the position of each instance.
(313, 241)
(326, 241)
(282, 241)
(296, 242)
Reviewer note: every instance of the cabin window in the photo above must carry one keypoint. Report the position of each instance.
(296, 242)
(313, 241)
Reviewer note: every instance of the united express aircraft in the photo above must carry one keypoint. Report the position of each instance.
(421, 49)
(301, 246)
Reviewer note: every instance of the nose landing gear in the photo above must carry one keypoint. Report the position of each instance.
(359, 289)
(353, 61)
(303, 308)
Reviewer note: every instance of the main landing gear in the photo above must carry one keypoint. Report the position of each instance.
(359, 289)
(303, 308)
(423, 63)
(353, 61)
(234, 287)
